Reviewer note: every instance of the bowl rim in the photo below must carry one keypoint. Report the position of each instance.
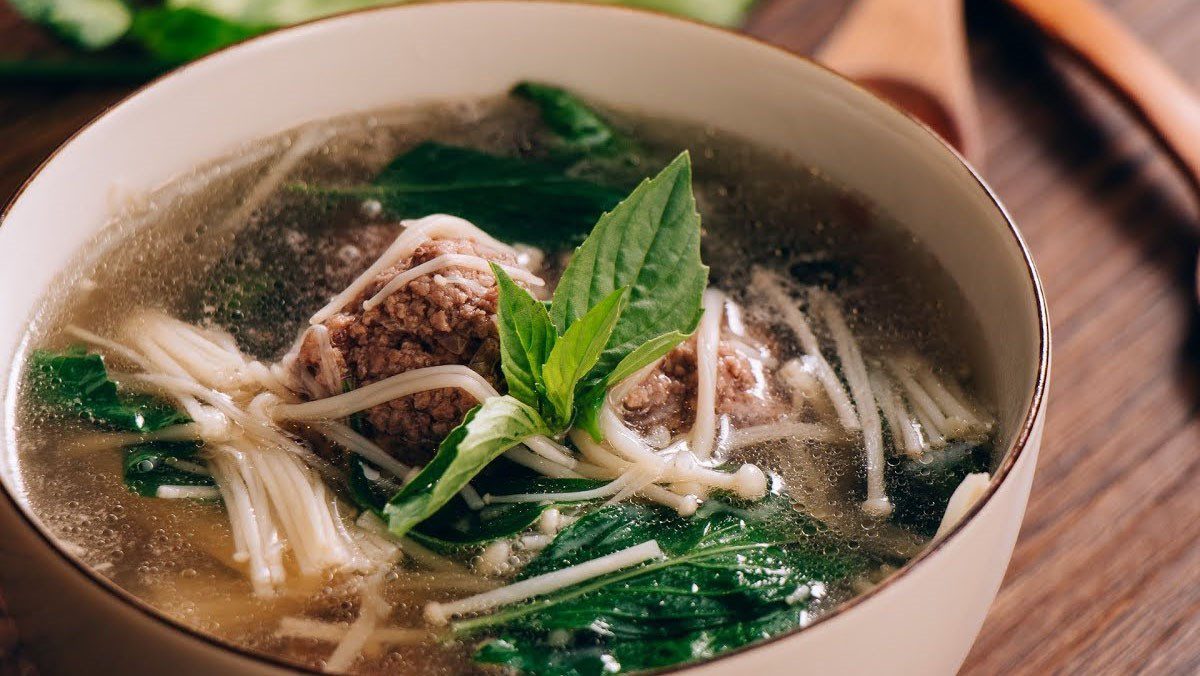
(1001, 473)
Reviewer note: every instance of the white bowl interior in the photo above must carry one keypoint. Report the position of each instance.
(385, 58)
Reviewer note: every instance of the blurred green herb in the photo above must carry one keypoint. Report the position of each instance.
(89, 24)
(145, 38)
(179, 34)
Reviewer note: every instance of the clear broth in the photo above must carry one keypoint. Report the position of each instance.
(176, 248)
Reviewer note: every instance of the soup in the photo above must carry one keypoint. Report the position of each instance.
(467, 387)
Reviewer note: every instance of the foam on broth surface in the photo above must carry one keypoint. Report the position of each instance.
(186, 248)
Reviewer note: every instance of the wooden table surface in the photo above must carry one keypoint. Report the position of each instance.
(1106, 575)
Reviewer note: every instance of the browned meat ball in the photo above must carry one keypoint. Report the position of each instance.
(666, 397)
(428, 322)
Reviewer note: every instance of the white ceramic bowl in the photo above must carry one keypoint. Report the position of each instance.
(921, 621)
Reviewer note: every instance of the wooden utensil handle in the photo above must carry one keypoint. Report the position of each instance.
(913, 53)
(1136, 74)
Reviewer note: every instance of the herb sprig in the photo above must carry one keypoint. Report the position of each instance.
(730, 576)
(630, 293)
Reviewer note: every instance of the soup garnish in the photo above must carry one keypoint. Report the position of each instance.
(453, 445)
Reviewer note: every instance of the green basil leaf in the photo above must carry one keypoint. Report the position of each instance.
(76, 383)
(366, 487)
(580, 127)
(457, 525)
(643, 355)
(590, 397)
(489, 429)
(728, 579)
(575, 353)
(527, 337)
(650, 243)
(535, 659)
(148, 466)
(921, 489)
(588, 402)
(513, 199)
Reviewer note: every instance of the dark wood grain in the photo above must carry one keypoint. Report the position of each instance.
(1106, 575)
(1166, 104)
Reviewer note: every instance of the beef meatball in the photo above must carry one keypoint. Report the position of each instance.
(447, 317)
(666, 397)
